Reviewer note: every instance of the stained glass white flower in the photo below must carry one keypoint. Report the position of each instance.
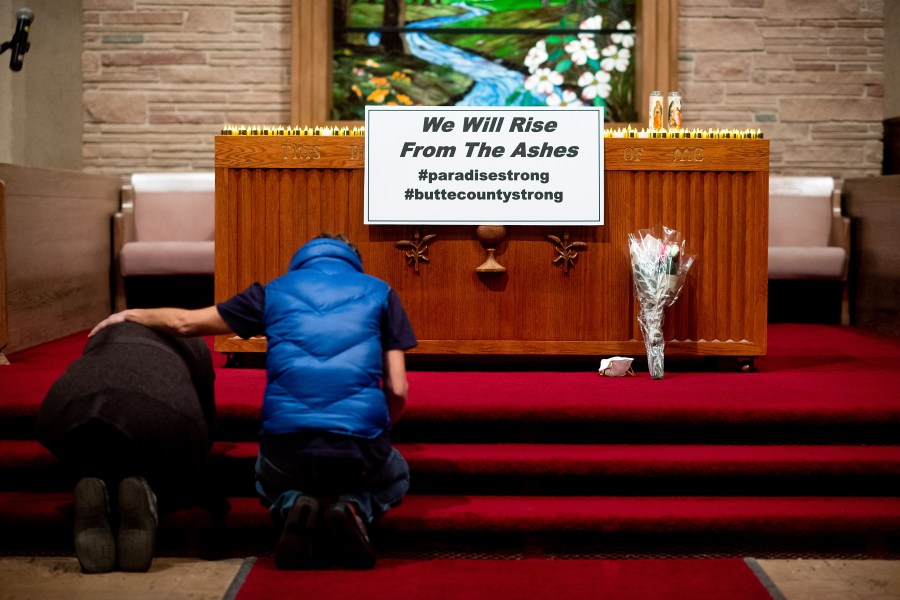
(626, 40)
(615, 58)
(595, 84)
(568, 98)
(595, 22)
(582, 49)
(536, 56)
(543, 81)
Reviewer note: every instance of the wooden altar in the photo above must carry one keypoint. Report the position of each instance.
(274, 193)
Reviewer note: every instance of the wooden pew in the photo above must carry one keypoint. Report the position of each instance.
(4, 327)
(56, 253)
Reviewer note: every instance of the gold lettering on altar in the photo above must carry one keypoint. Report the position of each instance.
(301, 152)
(688, 155)
(356, 152)
(633, 154)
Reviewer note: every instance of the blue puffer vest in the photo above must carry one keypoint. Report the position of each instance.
(324, 358)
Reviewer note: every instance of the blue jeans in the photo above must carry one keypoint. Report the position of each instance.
(384, 490)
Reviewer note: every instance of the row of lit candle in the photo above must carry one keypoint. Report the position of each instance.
(623, 132)
(718, 134)
(288, 130)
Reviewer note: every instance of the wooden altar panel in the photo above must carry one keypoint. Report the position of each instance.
(270, 199)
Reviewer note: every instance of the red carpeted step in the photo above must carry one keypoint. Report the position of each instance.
(725, 399)
(809, 412)
(650, 460)
(553, 515)
(813, 375)
(782, 516)
(593, 460)
(22, 454)
(25, 454)
(695, 397)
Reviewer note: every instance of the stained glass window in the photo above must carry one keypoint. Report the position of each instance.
(484, 53)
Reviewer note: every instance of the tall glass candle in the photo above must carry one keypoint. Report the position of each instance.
(657, 111)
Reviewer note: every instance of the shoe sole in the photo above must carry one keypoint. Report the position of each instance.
(354, 551)
(94, 543)
(295, 547)
(137, 527)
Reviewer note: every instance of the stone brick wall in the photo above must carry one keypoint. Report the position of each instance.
(162, 76)
(808, 73)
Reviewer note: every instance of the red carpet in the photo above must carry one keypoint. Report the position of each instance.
(801, 456)
(842, 373)
(709, 579)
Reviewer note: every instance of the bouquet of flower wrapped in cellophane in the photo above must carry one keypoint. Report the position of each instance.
(659, 264)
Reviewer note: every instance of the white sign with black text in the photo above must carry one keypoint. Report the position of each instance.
(484, 165)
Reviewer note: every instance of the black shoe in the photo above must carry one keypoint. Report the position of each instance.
(296, 546)
(348, 532)
(137, 525)
(94, 543)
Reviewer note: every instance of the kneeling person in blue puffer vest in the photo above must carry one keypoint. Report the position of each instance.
(336, 381)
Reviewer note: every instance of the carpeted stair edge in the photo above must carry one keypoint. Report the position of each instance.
(575, 459)
(545, 514)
